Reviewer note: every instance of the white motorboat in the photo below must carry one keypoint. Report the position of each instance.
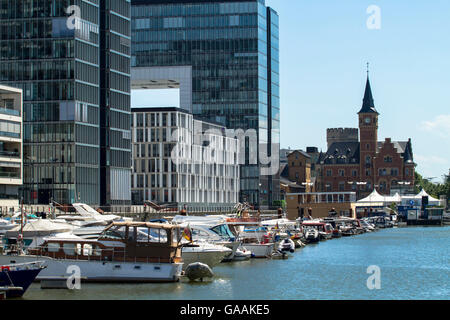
(260, 250)
(125, 252)
(242, 254)
(212, 230)
(6, 225)
(206, 253)
(286, 245)
(34, 231)
(311, 235)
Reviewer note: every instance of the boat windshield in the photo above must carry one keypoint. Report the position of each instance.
(151, 235)
(224, 231)
(116, 233)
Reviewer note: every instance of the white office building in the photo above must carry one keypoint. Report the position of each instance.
(11, 155)
(180, 160)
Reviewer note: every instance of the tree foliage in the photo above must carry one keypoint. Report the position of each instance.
(433, 189)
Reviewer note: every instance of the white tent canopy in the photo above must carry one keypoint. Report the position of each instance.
(431, 200)
(376, 199)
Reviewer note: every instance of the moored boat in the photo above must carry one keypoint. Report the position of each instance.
(203, 252)
(16, 278)
(311, 235)
(259, 250)
(125, 252)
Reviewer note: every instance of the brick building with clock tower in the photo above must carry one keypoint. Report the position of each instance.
(360, 163)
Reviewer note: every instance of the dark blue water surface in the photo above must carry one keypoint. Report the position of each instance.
(414, 264)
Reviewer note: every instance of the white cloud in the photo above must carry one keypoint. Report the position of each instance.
(440, 125)
(432, 166)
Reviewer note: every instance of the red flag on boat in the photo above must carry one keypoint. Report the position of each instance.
(187, 234)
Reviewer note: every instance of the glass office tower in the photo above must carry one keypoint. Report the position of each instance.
(232, 47)
(55, 50)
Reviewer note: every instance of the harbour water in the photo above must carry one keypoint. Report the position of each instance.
(414, 264)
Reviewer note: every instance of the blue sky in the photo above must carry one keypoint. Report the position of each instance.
(324, 48)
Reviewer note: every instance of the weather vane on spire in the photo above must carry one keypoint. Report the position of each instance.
(367, 68)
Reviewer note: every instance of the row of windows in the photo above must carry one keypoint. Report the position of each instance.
(120, 120)
(49, 175)
(13, 9)
(120, 159)
(195, 34)
(10, 129)
(48, 132)
(195, 22)
(119, 63)
(122, 7)
(119, 25)
(235, 46)
(118, 140)
(87, 73)
(118, 100)
(87, 93)
(119, 44)
(194, 9)
(49, 153)
(36, 49)
(87, 52)
(37, 70)
(87, 134)
(87, 155)
(119, 82)
(47, 90)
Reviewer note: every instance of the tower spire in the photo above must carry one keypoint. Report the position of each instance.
(368, 102)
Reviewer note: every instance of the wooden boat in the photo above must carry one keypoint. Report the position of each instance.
(125, 252)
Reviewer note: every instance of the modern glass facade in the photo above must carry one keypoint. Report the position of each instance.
(232, 47)
(115, 101)
(181, 160)
(56, 58)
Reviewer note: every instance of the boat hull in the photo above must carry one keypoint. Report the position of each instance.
(102, 271)
(211, 258)
(231, 245)
(20, 279)
(259, 250)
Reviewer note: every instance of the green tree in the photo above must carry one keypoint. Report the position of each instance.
(433, 189)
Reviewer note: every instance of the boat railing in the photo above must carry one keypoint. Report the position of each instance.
(91, 254)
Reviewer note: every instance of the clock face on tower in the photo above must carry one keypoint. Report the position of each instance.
(367, 120)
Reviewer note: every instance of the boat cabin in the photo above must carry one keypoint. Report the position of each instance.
(120, 241)
(319, 226)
